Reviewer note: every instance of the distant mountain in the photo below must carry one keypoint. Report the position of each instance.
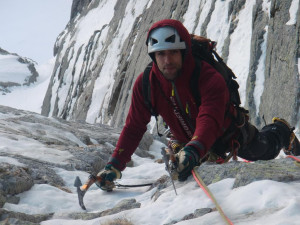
(15, 71)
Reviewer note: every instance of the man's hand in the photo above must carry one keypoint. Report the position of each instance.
(108, 175)
(187, 159)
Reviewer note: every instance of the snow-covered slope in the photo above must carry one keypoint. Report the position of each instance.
(40, 158)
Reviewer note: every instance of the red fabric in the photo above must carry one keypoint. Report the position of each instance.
(208, 118)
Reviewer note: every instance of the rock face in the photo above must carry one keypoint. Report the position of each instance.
(18, 71)
(96, 66)
(282, 170)
(281, 85)
(78, 6)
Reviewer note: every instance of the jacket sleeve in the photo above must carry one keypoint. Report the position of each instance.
(210, 119)
(135, 126)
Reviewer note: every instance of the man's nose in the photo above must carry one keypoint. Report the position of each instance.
(168, 58)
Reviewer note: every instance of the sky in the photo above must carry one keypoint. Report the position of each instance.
(30, 27)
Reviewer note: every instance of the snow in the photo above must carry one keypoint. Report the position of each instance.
(19, 145)
(293, 12)
(92, 22)
(205, 7)
(266, 4)
(261, 202)
(189, 17)
(11, 70)
(9, 160)
(239, 49)
(260, 73)
(218, 27)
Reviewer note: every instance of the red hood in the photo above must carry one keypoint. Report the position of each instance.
(188, 63)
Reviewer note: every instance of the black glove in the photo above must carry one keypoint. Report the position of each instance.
(187, 159)
(108, 175)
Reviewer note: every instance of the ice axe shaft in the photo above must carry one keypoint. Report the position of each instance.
(92, 179)
(166, 158)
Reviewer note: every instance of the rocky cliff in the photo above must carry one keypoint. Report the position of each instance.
(102, 51)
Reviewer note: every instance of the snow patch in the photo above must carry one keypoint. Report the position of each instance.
(204, 7)
(260, 72)
(239, 49)
(9, 160)
(189, 16)
(11, 70)
(218, 27)
(19, 145)
(104, 83)
(266, 5)
(293, 12)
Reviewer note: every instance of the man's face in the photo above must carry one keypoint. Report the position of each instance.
(169, 63)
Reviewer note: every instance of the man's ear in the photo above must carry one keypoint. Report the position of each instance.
(183, 54)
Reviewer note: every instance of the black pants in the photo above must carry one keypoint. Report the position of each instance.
(266, 143)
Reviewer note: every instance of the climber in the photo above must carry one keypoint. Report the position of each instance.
(199, 133)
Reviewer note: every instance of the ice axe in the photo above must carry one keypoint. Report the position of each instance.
(82, 189)
(167, 158)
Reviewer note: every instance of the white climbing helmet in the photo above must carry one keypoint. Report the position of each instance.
(164, 38)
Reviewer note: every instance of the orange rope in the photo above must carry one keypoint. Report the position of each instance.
(210, 195)
(293, 157)
(297, 163)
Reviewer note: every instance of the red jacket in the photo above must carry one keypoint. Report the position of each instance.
(208, 120)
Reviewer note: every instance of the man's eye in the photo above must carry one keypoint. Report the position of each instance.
(174, 52)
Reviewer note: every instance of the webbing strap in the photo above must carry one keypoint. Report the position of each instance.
(147, 90)
(210, 195)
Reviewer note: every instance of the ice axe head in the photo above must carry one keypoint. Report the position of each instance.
(77, 182)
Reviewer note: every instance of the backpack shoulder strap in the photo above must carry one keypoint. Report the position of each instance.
(147, 90)
(147, 94)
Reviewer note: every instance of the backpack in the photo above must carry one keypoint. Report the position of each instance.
(202, 49)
